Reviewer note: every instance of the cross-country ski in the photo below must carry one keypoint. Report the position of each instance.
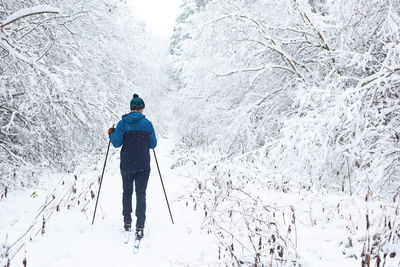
(127, 235)
(136, 246)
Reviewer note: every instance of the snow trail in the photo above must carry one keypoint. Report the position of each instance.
(70, 240)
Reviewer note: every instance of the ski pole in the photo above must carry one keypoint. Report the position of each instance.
(101, 180)
(162, 183)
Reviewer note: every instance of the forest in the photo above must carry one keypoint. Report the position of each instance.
(283, 115)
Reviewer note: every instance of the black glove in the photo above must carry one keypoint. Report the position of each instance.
(111, 130)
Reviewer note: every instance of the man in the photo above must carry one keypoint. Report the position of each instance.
(136, 135)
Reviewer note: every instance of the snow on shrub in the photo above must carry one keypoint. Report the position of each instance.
(310, 87)
(306, 89)
(249, 231)
(67, 72)
(375, 241)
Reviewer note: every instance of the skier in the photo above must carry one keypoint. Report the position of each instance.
(136, 135)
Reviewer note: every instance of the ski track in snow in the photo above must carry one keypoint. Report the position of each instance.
(71, 240)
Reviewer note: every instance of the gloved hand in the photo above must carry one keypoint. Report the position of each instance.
(111, 130)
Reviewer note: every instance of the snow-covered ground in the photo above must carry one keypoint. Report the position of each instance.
(71, 240)
(323, 222)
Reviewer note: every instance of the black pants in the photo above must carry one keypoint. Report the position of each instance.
(140, 178)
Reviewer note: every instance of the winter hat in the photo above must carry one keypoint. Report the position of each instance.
(137, 103)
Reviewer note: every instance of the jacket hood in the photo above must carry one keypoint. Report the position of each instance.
(132, 117)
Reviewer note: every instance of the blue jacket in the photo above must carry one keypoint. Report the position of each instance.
(136, 135)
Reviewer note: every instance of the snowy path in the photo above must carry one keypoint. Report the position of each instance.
(70, 240)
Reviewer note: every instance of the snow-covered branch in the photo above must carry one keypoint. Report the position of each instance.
(26, 12)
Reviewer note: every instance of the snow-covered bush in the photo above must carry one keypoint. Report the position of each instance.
(310, 87)
(308, 90)
(345, 133)
(251, 230)
(67, 70)
(374, 241)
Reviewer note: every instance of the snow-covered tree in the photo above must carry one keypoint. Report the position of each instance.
(305, 90)
(345, 133)
(67, 70)
(188, 8)
(317, 68)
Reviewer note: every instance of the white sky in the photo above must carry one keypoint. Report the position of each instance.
(159, 15)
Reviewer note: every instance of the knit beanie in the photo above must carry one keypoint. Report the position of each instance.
(137, 103)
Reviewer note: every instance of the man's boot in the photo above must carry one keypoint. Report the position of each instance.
(127, 226)
(139, 232)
